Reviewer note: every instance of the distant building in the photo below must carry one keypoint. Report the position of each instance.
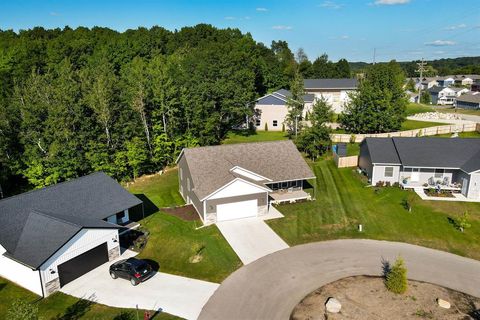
(469, 101)
(334, 91)
(445, 81)
(443, 96)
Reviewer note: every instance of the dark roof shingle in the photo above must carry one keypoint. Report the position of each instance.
(345, 83)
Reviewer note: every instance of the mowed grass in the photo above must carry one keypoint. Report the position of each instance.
(414, 108)
(413, 124)
(343, 201)
(174, 241)
(474, 112)
(473, 134)
(62, 306)
(252, 136)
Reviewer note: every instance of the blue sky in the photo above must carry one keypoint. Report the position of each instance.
(398, 29)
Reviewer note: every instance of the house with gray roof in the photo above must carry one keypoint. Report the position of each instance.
(335, 91)
(272, 110)
(51, 236)
(445, 163)
(469, 101)
(236, 181)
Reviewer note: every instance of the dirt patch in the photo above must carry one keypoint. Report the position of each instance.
(187, 213)
(367, 298)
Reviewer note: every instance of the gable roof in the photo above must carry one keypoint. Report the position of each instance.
(210, 167)
(35, 224)
(463, 154)
(473, 98)
(344, 83)
(280, 97)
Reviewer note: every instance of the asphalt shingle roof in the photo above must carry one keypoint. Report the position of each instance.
(210, 166)
(35, 224)
(458, 153)
(473, 98)
(345, 83)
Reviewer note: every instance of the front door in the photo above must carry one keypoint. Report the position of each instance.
(415, 175)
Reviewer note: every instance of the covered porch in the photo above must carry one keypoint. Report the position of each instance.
(443, 179)
(290, 191)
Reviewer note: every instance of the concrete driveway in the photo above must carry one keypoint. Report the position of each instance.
(180, 296)
(270, 287)
(251, 238)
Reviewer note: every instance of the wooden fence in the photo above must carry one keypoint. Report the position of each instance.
(431, 131)
(345, 162)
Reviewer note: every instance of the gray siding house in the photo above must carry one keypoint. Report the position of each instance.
(451, 164)
(334, 91)
(229, 182)
(468, 101)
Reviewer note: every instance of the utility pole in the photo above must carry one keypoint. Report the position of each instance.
(421, 69)
(374, 54)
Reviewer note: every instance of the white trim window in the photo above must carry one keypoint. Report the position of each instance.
(275, 123)
(257, 122)
(388, 172)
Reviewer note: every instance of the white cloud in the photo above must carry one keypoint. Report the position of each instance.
(229, 18)
(55, 14)
(247, 18)
(344, 37)
(282, 27)
(330, 5)
(390, 2)
(262, 9)
(458, 26)
(440, 43)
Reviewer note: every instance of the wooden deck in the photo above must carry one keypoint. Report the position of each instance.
(281, 196)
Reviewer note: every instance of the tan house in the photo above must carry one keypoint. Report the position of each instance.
(334, 91)
(236, 181)
(272, 110)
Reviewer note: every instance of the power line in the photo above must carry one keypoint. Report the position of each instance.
(421, 69)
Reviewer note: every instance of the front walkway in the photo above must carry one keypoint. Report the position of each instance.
(456, 197)
(180, 296)
(251, 238)
(271, 287)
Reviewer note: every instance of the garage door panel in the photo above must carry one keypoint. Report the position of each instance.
(81, 264)
(237, 210)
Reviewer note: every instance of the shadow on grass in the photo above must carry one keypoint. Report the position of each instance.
(154, 264)
(77, 310)
(245, 133)
(386, 267)
(149, 208)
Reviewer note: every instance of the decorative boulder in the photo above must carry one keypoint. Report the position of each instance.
(333, 305)
(443, 303)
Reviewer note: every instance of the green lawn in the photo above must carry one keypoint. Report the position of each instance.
(414, 108)
(475, 112)
(174, 241)
(413, 124)
(62, 306)
(249, 136)
(343, 201)
(472, 134)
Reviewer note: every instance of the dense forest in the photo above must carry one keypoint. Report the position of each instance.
(73, 101)
(440, 67)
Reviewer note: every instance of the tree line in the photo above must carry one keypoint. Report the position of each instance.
(73, 101)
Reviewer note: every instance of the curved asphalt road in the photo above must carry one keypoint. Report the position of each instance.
(270, 287)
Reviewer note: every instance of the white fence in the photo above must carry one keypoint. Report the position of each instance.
(431, 131)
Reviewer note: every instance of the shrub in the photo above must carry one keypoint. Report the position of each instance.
(388, 184)
(380, 184)
(396, 184)
(463, 222)
(22, 310)
(353, 138)
(283, 127)
(266, 126)
(396, 279)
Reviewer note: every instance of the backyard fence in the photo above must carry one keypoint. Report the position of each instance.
(345, 162)
(431, 131)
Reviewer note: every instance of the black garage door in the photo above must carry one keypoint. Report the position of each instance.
(74, 268)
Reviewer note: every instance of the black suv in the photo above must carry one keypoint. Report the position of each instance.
(132, 269)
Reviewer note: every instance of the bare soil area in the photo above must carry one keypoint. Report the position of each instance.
(367, 298)
(186, 212)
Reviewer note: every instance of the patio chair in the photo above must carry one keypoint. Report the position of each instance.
(431, 181)
(446, 181)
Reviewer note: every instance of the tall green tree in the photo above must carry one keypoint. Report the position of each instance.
(379, 104)
(295, 105)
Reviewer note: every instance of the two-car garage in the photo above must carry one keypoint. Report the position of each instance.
(237, 210)
(83, 263)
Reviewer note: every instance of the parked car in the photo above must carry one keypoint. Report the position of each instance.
(134, 270)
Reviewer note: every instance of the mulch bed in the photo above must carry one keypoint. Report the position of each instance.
(187, 213)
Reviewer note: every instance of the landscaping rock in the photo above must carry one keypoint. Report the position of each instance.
(443, 303)
(333, 305)
(436, 116)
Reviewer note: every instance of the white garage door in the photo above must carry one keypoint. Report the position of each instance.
(237, 210)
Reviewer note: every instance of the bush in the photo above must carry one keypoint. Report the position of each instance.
(388, 184)
(266, 126)
(396, 279)
(22, 310)
(380, 184)
(353, 138)
(396, 184)
(283, 127)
